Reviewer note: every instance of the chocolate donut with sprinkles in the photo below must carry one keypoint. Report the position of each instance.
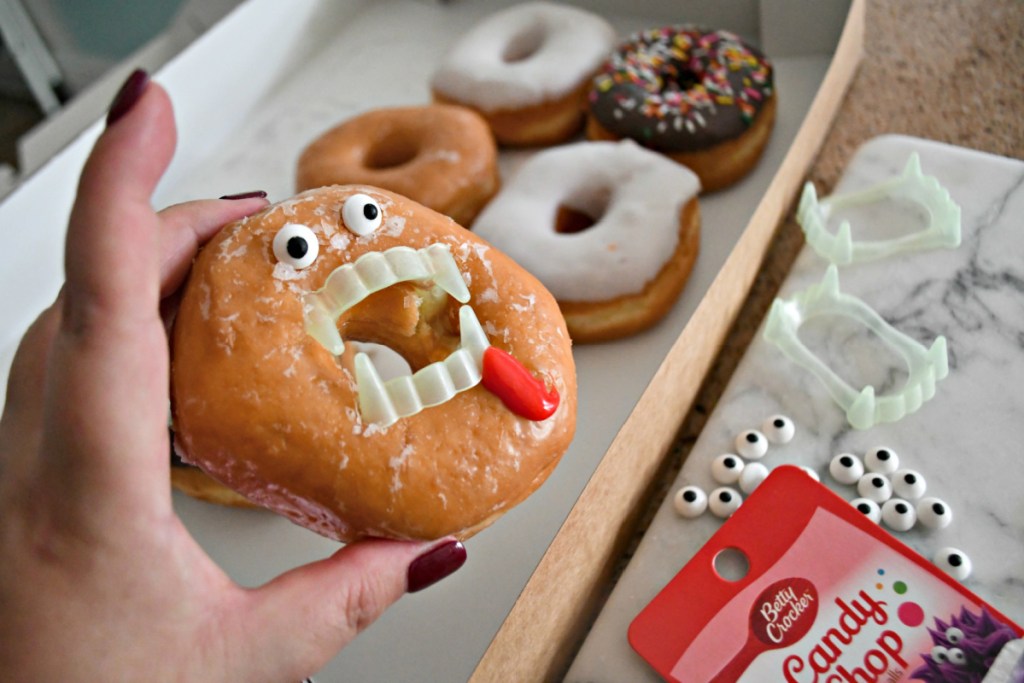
(704, 98)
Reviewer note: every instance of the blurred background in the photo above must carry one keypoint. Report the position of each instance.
(61, 62)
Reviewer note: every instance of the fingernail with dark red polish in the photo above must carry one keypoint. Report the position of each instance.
(435, 564)
(128, 95)
(246, 195)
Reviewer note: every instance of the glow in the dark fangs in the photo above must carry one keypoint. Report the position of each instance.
(862, 406)
(840, 248)
(384, 403)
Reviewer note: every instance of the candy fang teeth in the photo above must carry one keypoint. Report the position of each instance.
(351, 283)
(925, 366)
(943, 229)
(384, 403)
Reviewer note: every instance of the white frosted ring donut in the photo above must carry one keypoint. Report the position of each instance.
(644, 233)
(526, 69)
(525, 55)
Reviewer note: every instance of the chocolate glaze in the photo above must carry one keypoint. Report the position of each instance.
(681, 88)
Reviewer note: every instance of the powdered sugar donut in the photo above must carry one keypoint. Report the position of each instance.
(611, 229)
(526, 70)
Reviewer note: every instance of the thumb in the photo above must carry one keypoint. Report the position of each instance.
(112, 250)
(305, 616)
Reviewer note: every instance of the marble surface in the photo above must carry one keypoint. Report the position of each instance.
(965, 441)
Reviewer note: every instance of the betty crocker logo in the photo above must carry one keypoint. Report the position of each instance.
(781, 615)
(784, 612)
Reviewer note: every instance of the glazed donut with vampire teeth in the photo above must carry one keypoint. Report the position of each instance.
(271, 397)
(441, 156)
(704, 98)
(526, 69)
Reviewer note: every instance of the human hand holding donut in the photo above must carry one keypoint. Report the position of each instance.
(99, 577)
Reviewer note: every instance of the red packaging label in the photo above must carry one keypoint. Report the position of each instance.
(829, 597)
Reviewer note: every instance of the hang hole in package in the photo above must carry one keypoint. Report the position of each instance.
(828, 597)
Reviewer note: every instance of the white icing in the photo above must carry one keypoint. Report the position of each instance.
(524, 55)
(641, 194)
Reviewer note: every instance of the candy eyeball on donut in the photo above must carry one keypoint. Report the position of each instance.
(274, 397)
(296, 245)
(361, 214)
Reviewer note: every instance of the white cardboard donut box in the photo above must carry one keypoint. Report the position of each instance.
(270, 77)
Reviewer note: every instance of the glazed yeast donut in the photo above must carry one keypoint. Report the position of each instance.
(441, 156)
(704, 98)
(610, 228)
(270, 397)
(526, 70)
(198, 484)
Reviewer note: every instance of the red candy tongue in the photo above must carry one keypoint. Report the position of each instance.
(521, 392)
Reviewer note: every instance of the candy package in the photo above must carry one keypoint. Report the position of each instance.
(825, 596)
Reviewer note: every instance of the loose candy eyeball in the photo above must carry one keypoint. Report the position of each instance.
(954, 562)
(690, 501)
(846, 468)
(724, 501)
(874, 487)
(752, 476)
(881, 460)
(778, 429)
(751, 444)
(727, 468)
(868, 508)
(898, 514)
(934, 513)
(908, 484)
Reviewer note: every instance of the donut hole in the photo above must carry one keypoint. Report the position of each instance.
(524, 44)
(569, 221)
(685, 80)
(582, 212)
(417, 324)
(391, 152)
